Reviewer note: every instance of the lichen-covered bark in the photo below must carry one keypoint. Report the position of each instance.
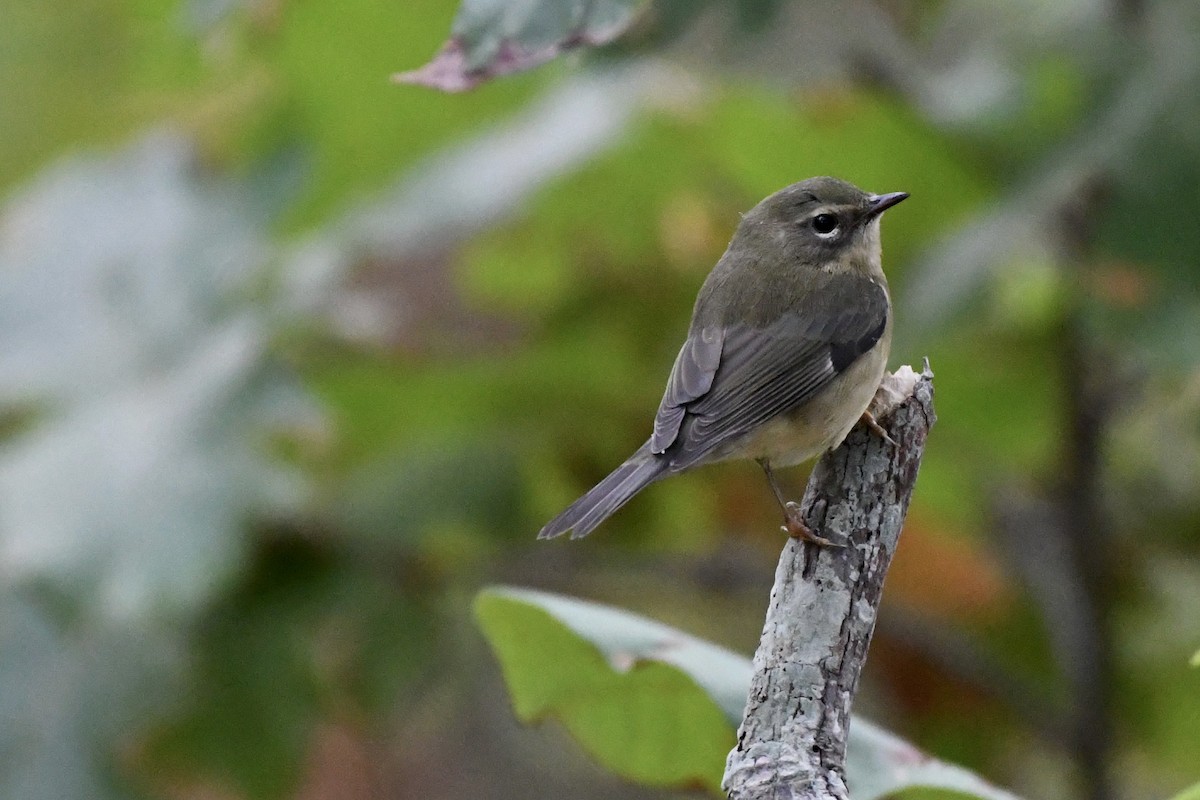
(792, 741)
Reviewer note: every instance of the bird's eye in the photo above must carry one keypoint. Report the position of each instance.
(825, 224)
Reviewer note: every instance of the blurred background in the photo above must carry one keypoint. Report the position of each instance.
(294, 360)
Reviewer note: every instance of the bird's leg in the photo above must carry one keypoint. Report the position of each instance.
(794, 524)
(869, 420)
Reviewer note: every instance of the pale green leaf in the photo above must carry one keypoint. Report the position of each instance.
(1190, 793)
(660, 706)
(135, 350)
(643, 718)
(66, 698)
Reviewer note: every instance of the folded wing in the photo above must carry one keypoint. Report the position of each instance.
(728, 379)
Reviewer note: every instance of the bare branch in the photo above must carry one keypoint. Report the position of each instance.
(792, 740)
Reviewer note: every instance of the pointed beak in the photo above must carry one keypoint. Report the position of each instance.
(878, 203)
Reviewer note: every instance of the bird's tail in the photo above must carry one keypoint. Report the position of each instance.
(602, 500)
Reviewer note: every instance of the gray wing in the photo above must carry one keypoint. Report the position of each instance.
(729, 379)
(691, 378)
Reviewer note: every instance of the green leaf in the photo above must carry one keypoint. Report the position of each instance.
(640, 716)
(659, 706)
(1190, 793)
(492, 38)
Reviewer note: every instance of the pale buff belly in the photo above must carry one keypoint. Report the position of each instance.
(823, 422)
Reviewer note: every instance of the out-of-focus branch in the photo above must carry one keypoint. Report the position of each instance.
(1087, 380)
(792, 740)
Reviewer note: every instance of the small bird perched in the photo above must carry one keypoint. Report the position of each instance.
(788, 343)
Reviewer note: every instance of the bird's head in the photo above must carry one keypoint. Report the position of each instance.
(823, 222)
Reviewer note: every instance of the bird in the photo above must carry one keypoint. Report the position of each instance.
(788, 343)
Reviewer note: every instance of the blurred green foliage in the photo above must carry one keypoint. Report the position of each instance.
(296, 359)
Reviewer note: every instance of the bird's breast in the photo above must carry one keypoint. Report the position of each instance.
(823, 422)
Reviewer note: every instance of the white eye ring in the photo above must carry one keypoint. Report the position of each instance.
(826, 225)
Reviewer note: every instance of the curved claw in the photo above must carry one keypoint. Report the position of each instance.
(869, 420)
(797, 528)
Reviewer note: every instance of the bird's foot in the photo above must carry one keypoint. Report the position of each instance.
(869, 420)
(797, 528)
